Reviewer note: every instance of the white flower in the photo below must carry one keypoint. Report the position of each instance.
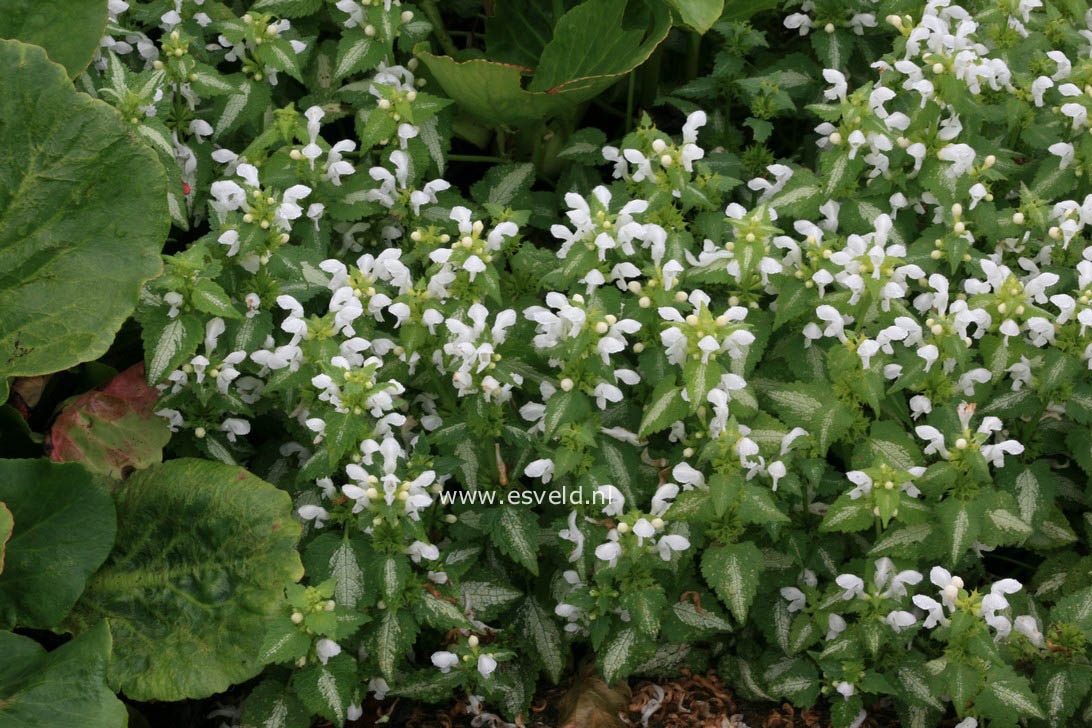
(796, 598)
(326, 648)
(445, 660)
(486, 665)
(314, 513)
(671, 542)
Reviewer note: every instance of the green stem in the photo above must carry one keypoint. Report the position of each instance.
(429, 6)
(477, 158)
(693, 56)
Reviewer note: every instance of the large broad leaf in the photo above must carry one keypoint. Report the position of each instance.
(82, 216)
(63, 530)
(112, 431)
(698, 15)
(204, 553)
(592, 46)
(69, 30)
(62, 688)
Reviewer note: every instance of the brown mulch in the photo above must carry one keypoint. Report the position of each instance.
(689, 701)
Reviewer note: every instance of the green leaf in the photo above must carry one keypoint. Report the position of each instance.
(645, 607)
(168, 343)
(503, 183)
(758, 507)
(847, 515)
(723, 490)
(284, 642)
(698, 15)
(960, 523)
(810, 406)
(1075, 608)
(278, 53)
(563, 408)
(393, 636)
(487, 599)
(204, 553)
(590, 49)
(356, 52)
(440, 613)
(1007, 697)
(794, 299)
(287, 8)
(515, 532)
(271, 705)
(209, 297)
(665, 405)
(621, 654)
(1061, 688)
(66, 687)
(68, 30)
(544, 638)
(733, 572)
(114, 430)
(326, 690)
(392, 572)
(82, 216)
(700, 377)
(64, 527)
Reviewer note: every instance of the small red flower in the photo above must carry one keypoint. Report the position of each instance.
(185, 189)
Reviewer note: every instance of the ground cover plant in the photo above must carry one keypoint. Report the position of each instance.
(358, 350)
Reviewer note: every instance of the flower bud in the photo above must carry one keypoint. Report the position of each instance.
(472, 641)
(567, 384)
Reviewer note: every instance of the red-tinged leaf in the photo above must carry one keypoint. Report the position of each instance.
(113, 431)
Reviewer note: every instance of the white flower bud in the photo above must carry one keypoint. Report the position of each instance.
(472, 641)
(1018, 218)
(961, 444)
(567, 384)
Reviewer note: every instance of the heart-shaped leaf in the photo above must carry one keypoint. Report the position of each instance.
(592, 46)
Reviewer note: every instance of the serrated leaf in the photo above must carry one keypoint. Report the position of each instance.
(486, 598)
(733, 571)
(537, 625)
(356, 52)
(166, 348)
(515, 532)
(325, 690)
(664, 407)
